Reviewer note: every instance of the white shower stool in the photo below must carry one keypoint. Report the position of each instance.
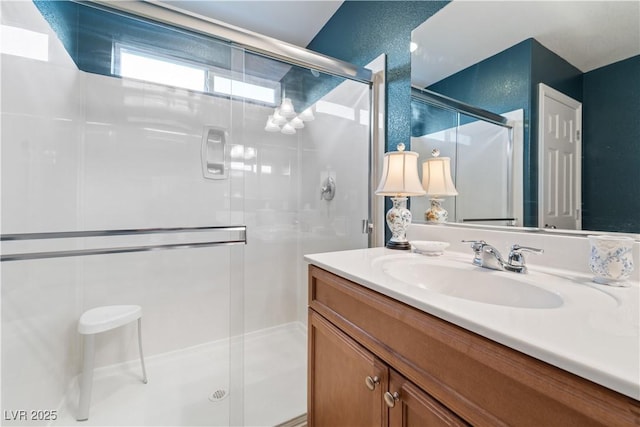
(92, 322)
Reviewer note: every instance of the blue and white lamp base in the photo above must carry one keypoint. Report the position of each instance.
(398, 219)
(436, 213)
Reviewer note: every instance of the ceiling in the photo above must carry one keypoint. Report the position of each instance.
(460, 34)
(587, 34)
(295, 22)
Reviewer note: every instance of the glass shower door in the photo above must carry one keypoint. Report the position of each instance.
(306, 191)
(129, 125)
(115, 164)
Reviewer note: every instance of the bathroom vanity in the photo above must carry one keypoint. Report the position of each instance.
(387, 346)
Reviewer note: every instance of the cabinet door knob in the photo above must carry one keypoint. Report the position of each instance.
(391, 399)
(371, 382)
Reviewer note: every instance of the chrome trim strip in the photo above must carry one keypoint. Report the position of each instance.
(122, 232)
(439, 100)
(373, 135)
(84, 252)
(486, 219)
(253, 42)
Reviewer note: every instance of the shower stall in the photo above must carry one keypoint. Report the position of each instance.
(485, 151)
(142, 164)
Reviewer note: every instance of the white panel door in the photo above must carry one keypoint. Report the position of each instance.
(559, 161)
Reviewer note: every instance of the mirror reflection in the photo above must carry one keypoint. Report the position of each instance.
(566, 73)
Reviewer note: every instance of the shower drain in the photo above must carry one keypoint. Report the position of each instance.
(218, 395)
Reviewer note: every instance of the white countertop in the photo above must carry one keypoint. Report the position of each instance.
(594, 334)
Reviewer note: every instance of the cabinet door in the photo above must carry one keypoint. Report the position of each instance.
(409, 406)
(339, 392)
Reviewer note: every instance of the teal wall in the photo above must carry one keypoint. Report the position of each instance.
(360, 31)
(611, 147)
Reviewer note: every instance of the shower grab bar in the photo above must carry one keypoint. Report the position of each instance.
(114, 250)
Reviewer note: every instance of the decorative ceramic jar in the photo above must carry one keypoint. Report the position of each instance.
(611, 259)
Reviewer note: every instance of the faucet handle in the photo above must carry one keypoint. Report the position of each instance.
(518, 248)
(476, 245)
(516, 258)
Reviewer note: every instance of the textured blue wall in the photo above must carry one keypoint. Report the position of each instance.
(360, 31)
(611, 147)
(427, 118)
(498, 84)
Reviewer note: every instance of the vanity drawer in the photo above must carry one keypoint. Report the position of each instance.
(482, 381)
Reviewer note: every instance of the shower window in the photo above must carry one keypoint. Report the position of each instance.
(157, 69)
(137, 63)
(244, 90)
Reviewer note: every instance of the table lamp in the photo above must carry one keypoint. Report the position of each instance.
(437, 182)
(399, 180)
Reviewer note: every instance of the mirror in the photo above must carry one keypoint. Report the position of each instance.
(493, 56)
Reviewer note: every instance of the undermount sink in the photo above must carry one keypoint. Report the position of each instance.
(468, 282)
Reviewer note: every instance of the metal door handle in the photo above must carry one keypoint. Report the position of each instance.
(391, 399)
(372, 382)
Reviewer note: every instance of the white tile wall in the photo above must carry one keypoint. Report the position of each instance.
(39, 150)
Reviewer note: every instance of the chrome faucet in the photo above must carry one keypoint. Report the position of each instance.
(487, 256)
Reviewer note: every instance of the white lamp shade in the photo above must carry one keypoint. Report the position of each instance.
(286, 108)
(271, 126)
(436, 177)
(307, 115)
(278, 118)
(400, 175)
(297, 123)
(288, 129)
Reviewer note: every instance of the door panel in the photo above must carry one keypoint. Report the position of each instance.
(415, 408)
(338, 394)
(560, 148)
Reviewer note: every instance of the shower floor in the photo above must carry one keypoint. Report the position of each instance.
(182, 382)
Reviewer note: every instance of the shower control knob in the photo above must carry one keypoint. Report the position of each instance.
(372, 382)
(328, 189)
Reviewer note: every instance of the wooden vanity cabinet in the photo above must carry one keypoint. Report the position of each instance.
(350, 387)
(433, 372)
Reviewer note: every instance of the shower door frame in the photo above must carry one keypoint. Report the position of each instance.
(514, 151)
(294, 55)
(267, 47)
